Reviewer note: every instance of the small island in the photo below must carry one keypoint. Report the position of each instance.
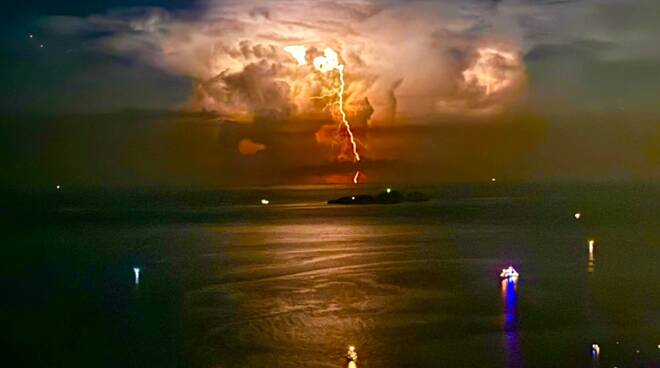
(387, 197)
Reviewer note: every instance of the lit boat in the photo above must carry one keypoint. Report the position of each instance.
(509, 273)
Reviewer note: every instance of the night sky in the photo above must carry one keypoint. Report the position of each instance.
(177, 93)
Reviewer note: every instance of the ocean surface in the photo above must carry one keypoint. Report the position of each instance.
(227, 282)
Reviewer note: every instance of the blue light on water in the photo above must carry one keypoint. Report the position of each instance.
(510, 324)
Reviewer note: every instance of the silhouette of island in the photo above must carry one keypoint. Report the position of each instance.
(386, 197)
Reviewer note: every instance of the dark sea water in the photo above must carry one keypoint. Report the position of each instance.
(226, 282)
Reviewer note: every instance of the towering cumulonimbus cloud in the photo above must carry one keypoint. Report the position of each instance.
(402, 62)
(424, 58)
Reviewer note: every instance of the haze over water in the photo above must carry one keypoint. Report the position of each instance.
(226, 282)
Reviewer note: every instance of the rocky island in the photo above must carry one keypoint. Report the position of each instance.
(387, 197)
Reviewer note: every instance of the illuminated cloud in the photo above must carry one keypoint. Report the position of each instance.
(248, 147)
(253, 61)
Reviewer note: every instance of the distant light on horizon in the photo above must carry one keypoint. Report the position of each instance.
(58, 187)
(591, 245)
(595, 350)
(493, 179)
(265, 201)
(577, 215)
(389, 190)
(353, 198)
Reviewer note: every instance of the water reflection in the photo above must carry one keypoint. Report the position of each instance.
(136, 272)
(591, 263)
(595, 354)
(509, 289)
(351, 357)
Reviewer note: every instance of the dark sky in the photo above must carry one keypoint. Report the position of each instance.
(112, 98)
(65, 76)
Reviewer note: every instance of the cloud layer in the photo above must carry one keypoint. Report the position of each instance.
(233, 51)
(433, 63)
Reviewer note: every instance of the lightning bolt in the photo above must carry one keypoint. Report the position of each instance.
(327, 62)
(340, 94)
(355, 178)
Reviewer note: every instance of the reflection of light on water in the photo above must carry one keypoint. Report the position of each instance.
(509, 290)
(591, 264)
(351, 357)
(312, 287)
(136, 271)
(595, 354)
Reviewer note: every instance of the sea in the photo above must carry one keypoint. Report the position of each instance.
(213, 278)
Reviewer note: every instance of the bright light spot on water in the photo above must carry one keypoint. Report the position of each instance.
(577, 215)
(595, 349)
(591, 245)
(265, 201)
(136, 271)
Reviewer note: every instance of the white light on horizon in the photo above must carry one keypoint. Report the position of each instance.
(389, 190)
(265, 201)
(577, 215)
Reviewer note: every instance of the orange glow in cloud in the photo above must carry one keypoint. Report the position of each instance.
(326, 63)
(248, 147)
